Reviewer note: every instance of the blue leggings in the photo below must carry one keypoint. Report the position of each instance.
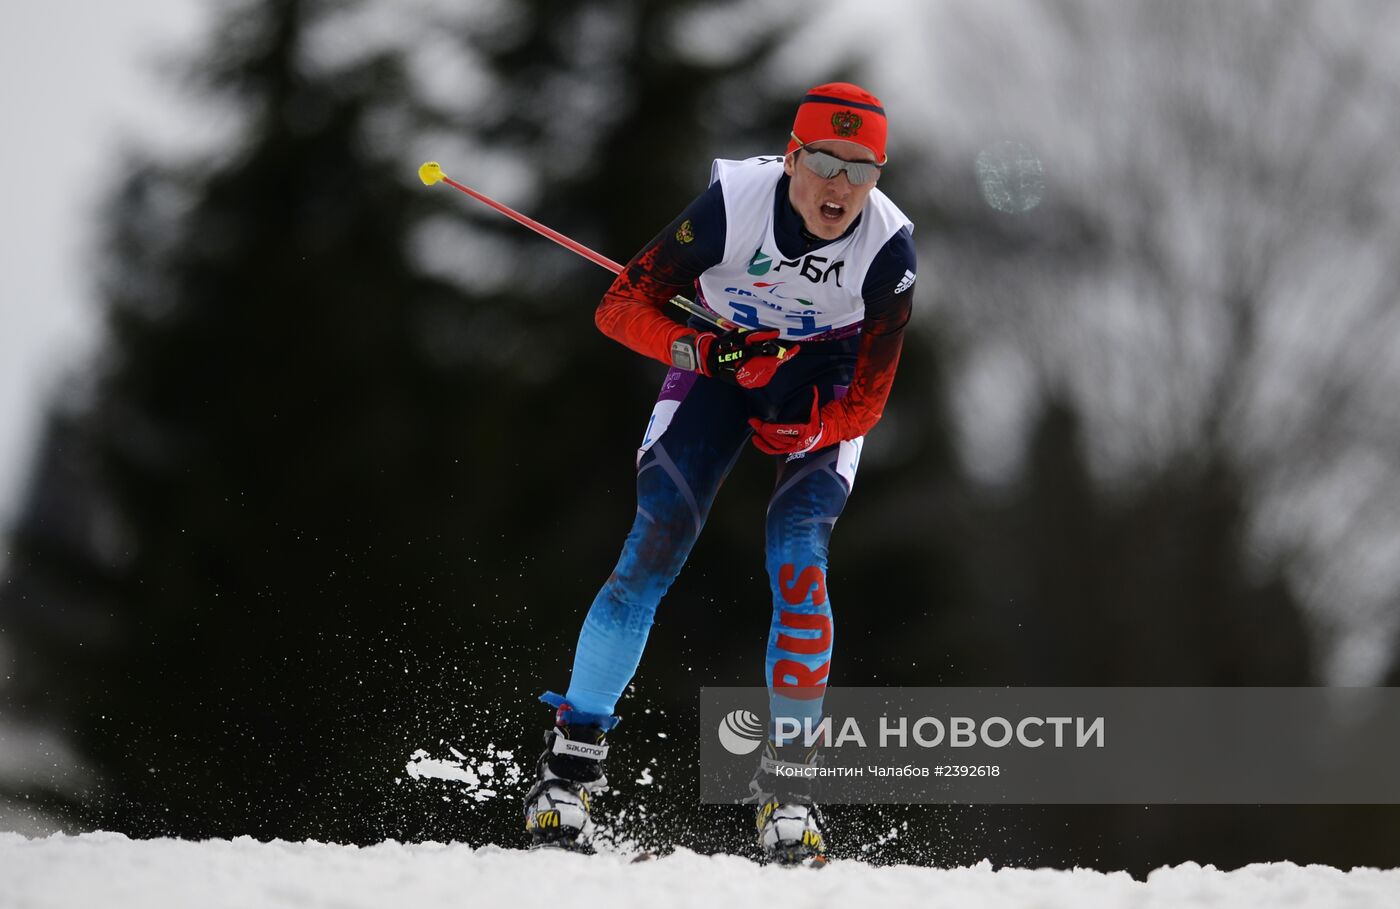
(697, 432)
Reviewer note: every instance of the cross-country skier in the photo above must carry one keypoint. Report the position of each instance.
(818, 264)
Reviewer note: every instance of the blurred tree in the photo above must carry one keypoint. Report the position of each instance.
(1205, 283)
(239, 519)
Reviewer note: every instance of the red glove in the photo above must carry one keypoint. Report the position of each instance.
(747, 359)
(791, 438)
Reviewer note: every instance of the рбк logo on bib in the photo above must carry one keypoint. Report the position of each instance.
(741, 732)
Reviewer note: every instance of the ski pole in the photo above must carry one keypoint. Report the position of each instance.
(431, 172)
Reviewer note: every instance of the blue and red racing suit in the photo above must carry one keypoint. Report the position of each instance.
(850, 344)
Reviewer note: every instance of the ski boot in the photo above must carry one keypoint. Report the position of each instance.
(570, 773)
(789, 822)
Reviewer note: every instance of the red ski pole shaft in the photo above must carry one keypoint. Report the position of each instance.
(431, 172)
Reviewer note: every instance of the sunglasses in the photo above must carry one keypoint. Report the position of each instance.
(827, 166)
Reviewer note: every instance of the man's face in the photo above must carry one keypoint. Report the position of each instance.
(829, 206)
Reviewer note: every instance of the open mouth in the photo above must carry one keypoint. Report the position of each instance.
(832, 211)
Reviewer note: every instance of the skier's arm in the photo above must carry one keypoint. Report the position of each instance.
(889, 292)
(633, 311)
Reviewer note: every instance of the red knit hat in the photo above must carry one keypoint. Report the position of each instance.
(840, 110)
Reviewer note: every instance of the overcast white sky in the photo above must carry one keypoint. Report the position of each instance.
(76, 77)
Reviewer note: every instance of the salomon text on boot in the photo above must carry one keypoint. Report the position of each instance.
(558, 807)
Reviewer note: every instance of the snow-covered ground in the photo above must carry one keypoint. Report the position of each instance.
(110, 871)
